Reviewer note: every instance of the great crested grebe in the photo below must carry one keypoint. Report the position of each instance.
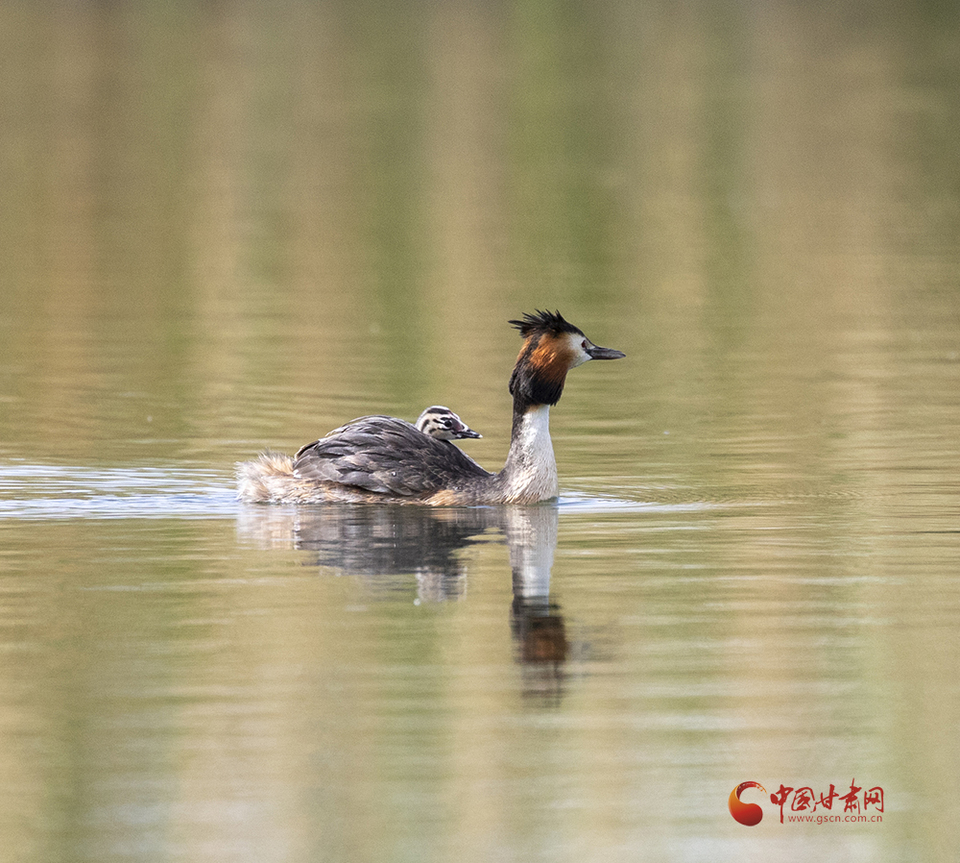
(442, 423)
(386, 460)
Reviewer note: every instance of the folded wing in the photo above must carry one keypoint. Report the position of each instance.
(385, 455)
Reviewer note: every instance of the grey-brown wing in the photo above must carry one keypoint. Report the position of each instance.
(385, 455)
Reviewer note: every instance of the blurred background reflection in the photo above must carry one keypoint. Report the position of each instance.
(232, 225)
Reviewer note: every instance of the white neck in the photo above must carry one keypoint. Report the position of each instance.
(530, 474)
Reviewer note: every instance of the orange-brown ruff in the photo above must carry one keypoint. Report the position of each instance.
(387, 460)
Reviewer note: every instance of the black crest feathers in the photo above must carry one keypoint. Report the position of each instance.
(544, 322)
(538, 375)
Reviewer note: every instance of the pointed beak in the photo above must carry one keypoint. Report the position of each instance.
(598, 353)
(463, 431)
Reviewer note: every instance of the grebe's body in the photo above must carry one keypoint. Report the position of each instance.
(386, 460)
(271, 477)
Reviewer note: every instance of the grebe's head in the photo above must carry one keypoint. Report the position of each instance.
(444, 424)
(551, 347)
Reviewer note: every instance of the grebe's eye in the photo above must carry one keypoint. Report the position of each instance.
(583, 344)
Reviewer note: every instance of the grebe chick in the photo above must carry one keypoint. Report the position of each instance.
(443, 424)
(386, 460)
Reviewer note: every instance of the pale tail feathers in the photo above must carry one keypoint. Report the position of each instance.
(265, 480)
(271, 479)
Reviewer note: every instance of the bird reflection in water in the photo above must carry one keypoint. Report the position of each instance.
(539, 632)
(384, 545)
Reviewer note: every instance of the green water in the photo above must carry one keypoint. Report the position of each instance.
(227, 227)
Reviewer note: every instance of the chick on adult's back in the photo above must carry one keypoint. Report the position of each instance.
(386, 460)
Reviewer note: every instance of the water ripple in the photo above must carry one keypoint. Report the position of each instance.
(31, 491)
(46, 491)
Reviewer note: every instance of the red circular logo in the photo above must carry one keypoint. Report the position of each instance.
(748, 814)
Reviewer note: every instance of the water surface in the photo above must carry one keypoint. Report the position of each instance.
(226, 228)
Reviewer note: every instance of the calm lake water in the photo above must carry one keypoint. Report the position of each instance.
(235, 226)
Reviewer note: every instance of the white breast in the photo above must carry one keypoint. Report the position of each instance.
(531, 466)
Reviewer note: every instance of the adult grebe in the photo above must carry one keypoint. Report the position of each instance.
(386, 460)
